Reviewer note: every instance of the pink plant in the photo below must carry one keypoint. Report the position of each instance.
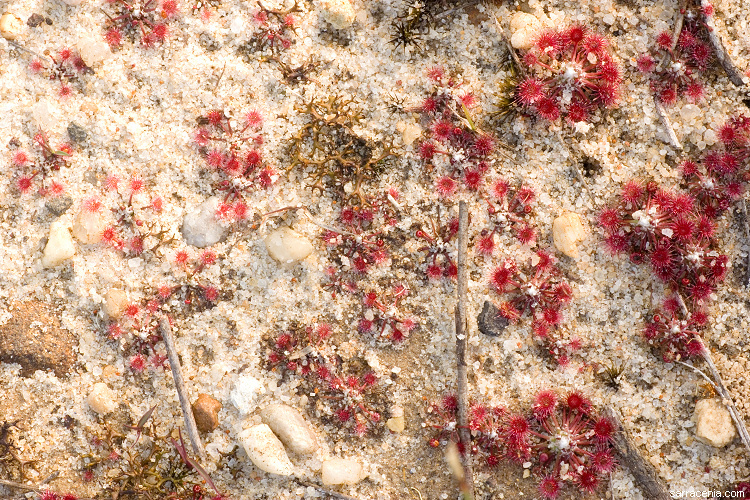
(675, 334)
(508, 207)
(37, 171)
(440, 264)
(65, 67)
(382, 317)
(275, 29)
(571, 74)
(139, 19)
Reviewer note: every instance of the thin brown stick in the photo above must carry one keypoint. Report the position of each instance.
(746, 223)
(326, 491)
(462, 338)
(187, 411)
(673, 140)
(722, 55)
(645, 475)
(28, 487)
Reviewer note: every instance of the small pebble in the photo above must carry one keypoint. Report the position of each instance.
(524, 30)
(290, 426)
(200, 228)
(11, 26)
(58, 205)
(88, 227)
(713, 423)
(341, 471)
(490, 321)
(339, 13)
(60, 246)
(206, 412)
(102, 399)
(396, 423)
(690, 112)
(115, 303)
(77, 133)
(265, 450)
(92, 50)
(567, 231)
(287, 246)
(34, 20)
(73, 2)
(244, 392)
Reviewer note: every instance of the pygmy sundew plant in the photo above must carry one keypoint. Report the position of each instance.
(65, 67)
(232, 149)
(37, 170)
(508, 209)
(382, 317)
(455, 147)
(144, 19)
(674, 65)
(571, 74)
(437, 245)
(663, 228)
(676, 334)
(275, 29)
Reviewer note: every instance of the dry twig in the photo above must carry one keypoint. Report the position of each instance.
(722, 55)
(746, 223)
(179, 382)
(643, 472)
(325, 491)
(673, 140)
(462, 334)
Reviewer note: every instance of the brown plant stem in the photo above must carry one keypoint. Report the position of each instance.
(746, 223)
(673, 140)
(722, 55)
(462, 334)
(187, 411)
(645, 475)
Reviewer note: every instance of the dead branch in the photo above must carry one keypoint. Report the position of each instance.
(645, 475)
(673, 140)
(722, 55)
(187, 411)
(462, 334)
(746, 223)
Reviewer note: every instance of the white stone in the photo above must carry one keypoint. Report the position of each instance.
(115, 302)
(265, 450)
(524, 30)
(411, 133)
(713, 423)
(42, 114)
(201, 228)
(102, 399)
(287, 246)
(567, 231)
(60, 246)
(341, 471)
(88, 227)
(291, 428)
(244, 392)
(73, 2)
(11, 26)
(92, 50)
(339, 13)
(690, 112)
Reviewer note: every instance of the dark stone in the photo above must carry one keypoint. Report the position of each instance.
(48, 21)
(60, 205)
(490, 321)
(34, 338)
(34, 20)
(77, 133)
(208, 42)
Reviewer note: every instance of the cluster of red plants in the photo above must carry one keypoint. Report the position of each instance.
(35, 171)
(382, 317)
(275, 29)
(567, 444)
(675, 65)
(65, 67)
(352, 396)
(455, 146)
(571, 74)
(674, 232)
(51, 495)
(437, 247)
(508, 208)
(233, 150)
(139, 19)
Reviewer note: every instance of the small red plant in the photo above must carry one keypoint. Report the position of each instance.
(233, 150)
(674, 333)
(275, 29)
(572, 73)
(663, 228)
(36, 171)
(508, 208)
(675, 65)
(65, 67)
(455, 145)
(139, 19)
(437, 246)
(382, 317)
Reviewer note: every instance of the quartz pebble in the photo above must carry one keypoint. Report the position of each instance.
(341, 471)
(88, 226)
(11, 26)
(396, 423)
(713, 423)
(244, 392)
(60, 246)
(287, 246)
(102, 399)
(73, 2)
(115, 302)
(265, 450)
(567, 231)
(339, 13)
(690, 112)
(200, 228)
(92, 50)
(206, 412)
(524, 30)
(290, 426)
